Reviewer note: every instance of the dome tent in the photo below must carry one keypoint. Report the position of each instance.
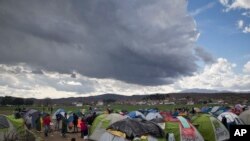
(210, 128)
(245, 117)
(151, 116)
(101, 122)
(231, 118)
(34, 114)
(137, 129)
(58, 111)
(8, 127)
(136, 114)
(182, 130)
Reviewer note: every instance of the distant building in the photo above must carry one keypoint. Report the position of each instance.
(77, 104)
(100, 103)
(190, 103)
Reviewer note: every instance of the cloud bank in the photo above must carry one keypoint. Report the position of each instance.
(140, 42)
(18, 80)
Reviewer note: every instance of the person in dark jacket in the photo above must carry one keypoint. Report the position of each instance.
(224, 121)
(64, 125)
(75, 122)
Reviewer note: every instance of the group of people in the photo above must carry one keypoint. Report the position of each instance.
(60, 120)
(65, 125)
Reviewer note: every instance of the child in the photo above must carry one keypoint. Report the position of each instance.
(84, 129)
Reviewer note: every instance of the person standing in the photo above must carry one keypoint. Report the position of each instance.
(58, 119)
(64, 125)
(46, 124)
(51, 109)
(75, 122)
(84, 129)
(224, 121)
(38, 123)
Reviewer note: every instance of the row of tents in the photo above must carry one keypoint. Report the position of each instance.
(153, 125)
(162, 126)
(116, 127)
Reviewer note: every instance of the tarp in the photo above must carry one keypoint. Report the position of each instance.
(152, 115)
(34, 114)
(58, 111)
(245, 117)
(214, 109)
(137, 128)
(102, 122)
(210, 128)
(6, 126)
(182, 130)
(231, 118)
(136, 114)
(4, 122)
(106, 136)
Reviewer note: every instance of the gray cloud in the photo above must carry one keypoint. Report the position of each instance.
(144, 42)
(204, 55)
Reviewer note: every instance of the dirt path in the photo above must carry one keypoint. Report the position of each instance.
(56, 136)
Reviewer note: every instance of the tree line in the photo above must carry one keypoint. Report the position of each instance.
(8, 100)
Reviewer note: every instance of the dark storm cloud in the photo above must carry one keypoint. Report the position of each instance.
(144, 42)
(204, 55)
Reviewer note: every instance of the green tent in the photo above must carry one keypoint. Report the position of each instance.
(8, 126)
(210, 128)
(102, 122)
(182, 130)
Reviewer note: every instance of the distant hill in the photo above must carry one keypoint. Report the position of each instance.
(115, 97)
(197, 90)
(196, 95)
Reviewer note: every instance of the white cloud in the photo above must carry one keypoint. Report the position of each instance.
(246, 29)
(240, 24)
(246, 68)
(219, 76)
(238, 4)
(246, 14)
(202, 9)
(235, 4)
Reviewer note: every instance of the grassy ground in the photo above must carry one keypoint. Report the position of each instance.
(7, 110)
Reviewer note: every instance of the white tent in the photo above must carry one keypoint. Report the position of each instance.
(231, 117)
(245, 117)
(151, 116)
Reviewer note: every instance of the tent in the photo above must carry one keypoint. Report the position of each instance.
(58, 111)
(102, 122)
(135, 128)
(214, 109)
(231, 118)
(136, 114)
(210, 128)
(221, 110)
(245, 117)
(107, 136)
(153, 115)
(8, 128)
(182, 130)
(206, 109)
(34, 114)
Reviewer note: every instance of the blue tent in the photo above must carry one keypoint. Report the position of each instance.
(136, 114)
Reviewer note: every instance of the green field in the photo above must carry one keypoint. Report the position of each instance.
(7, 110)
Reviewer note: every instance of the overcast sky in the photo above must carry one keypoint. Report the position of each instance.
(61, 48)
